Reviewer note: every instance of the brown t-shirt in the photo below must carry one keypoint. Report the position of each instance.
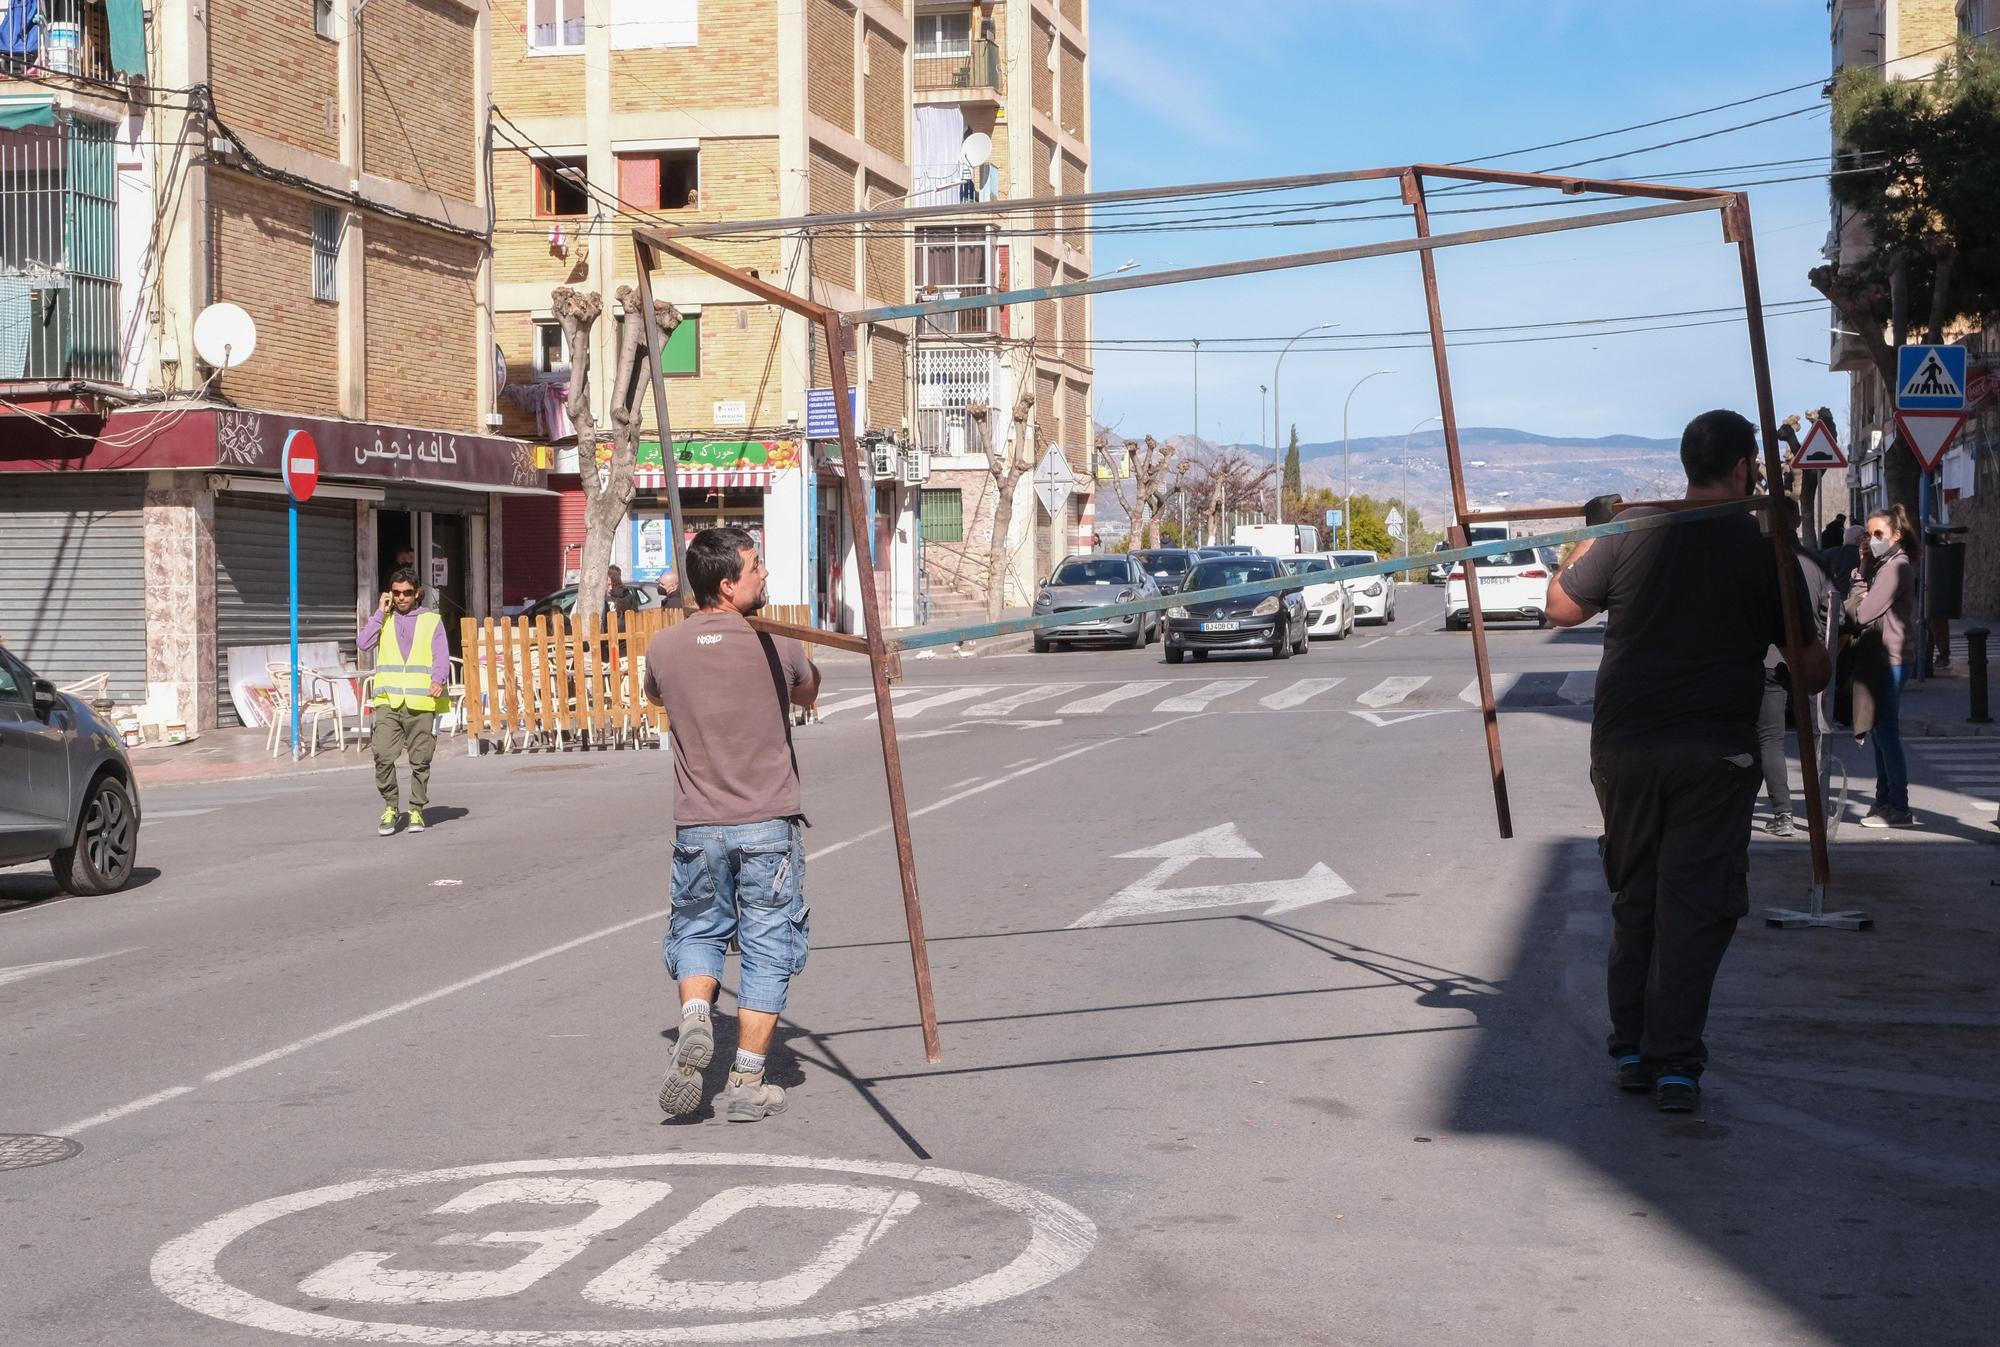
(727, 689)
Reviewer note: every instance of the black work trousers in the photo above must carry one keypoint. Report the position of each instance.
(1677, 859)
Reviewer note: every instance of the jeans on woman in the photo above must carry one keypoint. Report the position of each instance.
(1892, 772)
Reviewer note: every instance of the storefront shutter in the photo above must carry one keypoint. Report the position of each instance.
(531, 539)
(73, 577)
(252, 579)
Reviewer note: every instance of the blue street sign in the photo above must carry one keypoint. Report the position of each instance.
(822, 417)
(1930, 379)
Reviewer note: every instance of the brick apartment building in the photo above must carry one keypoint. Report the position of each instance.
(1013, 75)
(1907, 39)
(610, 111)
(322, 166)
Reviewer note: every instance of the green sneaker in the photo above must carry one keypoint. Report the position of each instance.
(388, 825)
(416, 820)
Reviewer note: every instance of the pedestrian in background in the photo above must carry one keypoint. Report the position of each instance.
(739, 852)
(1777, 682)
(1690, 610)
(412, 670)
(618, 596)
(1887, 603)
(1843, 562)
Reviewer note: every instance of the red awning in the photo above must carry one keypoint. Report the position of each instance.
(704, 479)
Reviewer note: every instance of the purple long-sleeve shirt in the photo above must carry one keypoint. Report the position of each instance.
(406, 633)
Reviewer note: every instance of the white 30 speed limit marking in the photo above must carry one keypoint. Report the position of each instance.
(1059, 1239)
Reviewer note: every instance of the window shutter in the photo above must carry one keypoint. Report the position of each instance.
(639, 181)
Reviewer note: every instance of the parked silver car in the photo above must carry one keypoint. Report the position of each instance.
(1089, 582)
(66, 789)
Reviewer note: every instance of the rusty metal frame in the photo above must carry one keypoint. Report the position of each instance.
(650, 242)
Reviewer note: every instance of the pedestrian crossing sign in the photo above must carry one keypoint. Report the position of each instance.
(1930, 379)
(1818, 449)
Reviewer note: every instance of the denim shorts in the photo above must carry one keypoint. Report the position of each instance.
(746, 880)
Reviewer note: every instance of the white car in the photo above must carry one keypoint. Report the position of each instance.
(1512, 586)
(1329, 610)
(1374, 596)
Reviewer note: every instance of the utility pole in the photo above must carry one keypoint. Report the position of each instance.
(1197, 391)
(1277, 403)
(1346, 487)
(1405, 502)
(1263, 389)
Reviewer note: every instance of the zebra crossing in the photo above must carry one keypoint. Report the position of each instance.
(1186, 696)
(1969, 766)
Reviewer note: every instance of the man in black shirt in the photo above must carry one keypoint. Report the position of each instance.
(1692, 608)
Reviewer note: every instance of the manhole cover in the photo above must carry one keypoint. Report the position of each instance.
(25, 1151)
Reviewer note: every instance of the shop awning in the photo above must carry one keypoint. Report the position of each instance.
(128, 36)
(26, 116)
(704, 479)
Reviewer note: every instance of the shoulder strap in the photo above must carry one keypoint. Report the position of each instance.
(784, 690)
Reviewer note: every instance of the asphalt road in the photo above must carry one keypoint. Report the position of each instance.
(1253, 1029)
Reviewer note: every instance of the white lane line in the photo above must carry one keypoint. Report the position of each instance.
(1580, 688)
(1300, 692)
(1503, 683)
(1001, 706)
(1104, 701)
(846, 704)
(155, 815)
(1392, 690)
(22, 972)
(911, 710)
(113, 1114)
(362, 1022)
(1203, 695)
(1417, 625)
(1377, 641)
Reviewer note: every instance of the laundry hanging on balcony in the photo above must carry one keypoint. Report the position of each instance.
(17, 321)
(20, 33)
(128, 36)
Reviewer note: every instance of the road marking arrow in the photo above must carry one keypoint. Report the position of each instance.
(1148, 895)
(1382, 720)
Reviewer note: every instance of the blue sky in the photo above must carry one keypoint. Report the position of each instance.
(1189, 92)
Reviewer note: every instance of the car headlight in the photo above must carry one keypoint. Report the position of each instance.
(1044, 599)
(1374, 589)
(1127, 595)
(1269, 606)
(1177, 612)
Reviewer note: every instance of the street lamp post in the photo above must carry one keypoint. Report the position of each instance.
(1263, 394)
(1346, 488)
(1277, 414)
(1406, 479)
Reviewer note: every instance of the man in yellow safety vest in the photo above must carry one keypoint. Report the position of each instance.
(412, 669)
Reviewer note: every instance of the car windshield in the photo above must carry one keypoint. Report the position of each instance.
(1354, 559)
(1095, 571)
(1525, 557)
(1304, 565)
(1223, 571)
(1164, 563)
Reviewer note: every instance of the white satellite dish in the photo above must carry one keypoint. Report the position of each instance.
(976, 149)
(224, 336)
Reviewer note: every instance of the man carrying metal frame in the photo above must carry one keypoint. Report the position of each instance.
(1673, 747)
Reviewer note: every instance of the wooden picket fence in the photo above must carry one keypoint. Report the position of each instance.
(544, 683)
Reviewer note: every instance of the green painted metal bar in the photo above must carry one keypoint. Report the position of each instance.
(1479, 552)
(1288, 261)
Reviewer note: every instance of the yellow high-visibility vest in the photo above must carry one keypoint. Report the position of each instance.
(403, 677)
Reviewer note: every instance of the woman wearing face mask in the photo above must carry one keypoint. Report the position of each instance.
(1888, 603)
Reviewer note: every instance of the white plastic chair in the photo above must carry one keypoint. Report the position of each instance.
(318, 706)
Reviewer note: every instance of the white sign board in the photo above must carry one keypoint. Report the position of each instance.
(1394, 523)
(733, 413)
(1053, 481)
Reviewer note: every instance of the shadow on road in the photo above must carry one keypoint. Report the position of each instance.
(30, 888)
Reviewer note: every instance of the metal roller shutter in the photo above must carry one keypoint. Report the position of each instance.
(252, 579)
(531, 535)
(434, 499)
(73, 577)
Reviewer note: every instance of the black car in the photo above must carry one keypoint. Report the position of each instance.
(1167, 565)
(640, 598)
(1225, 550)
(1272, 622)
(66, 790)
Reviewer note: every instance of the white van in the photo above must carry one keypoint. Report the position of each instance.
(1277, 540)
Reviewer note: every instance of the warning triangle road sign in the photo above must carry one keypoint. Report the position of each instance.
(1929, 434)
(1818, 450)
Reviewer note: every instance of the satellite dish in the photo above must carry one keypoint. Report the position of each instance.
(976, 149)
(224, 336)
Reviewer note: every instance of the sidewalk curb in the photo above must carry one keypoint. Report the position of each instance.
(992, 645)
(147, 780)
(1948, 729)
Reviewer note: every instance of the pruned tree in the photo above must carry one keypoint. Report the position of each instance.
(606, 463)
(1006, 463)
(1144, 491)
(1225, 478)
(1920, 165)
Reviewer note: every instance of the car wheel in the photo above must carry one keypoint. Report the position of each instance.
(1305, 643)
(1041, 645)
(1282, 649)
(1541, 621)
(107, 842)
(1138, 641)
(1173, 653)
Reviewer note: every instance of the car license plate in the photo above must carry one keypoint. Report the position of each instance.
(1220, 626)
(1494, 579)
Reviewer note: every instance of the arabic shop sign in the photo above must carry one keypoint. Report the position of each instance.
(247, 439)
(722, 455)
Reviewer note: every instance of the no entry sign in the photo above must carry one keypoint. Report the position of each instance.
(301, 465)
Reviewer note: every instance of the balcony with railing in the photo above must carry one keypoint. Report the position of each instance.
(967, 68)
(59, 252)
(40, 39)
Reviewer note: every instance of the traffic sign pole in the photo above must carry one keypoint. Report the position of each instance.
(299, 467)
(292, 502)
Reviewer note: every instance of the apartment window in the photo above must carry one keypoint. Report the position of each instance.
(683, 353)
(323, 19)
(944, 35)
(943, 515)
(659, 179)
(326, 227)
(559, 187)
(555, 25)
(551, 352)
(952, 262)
